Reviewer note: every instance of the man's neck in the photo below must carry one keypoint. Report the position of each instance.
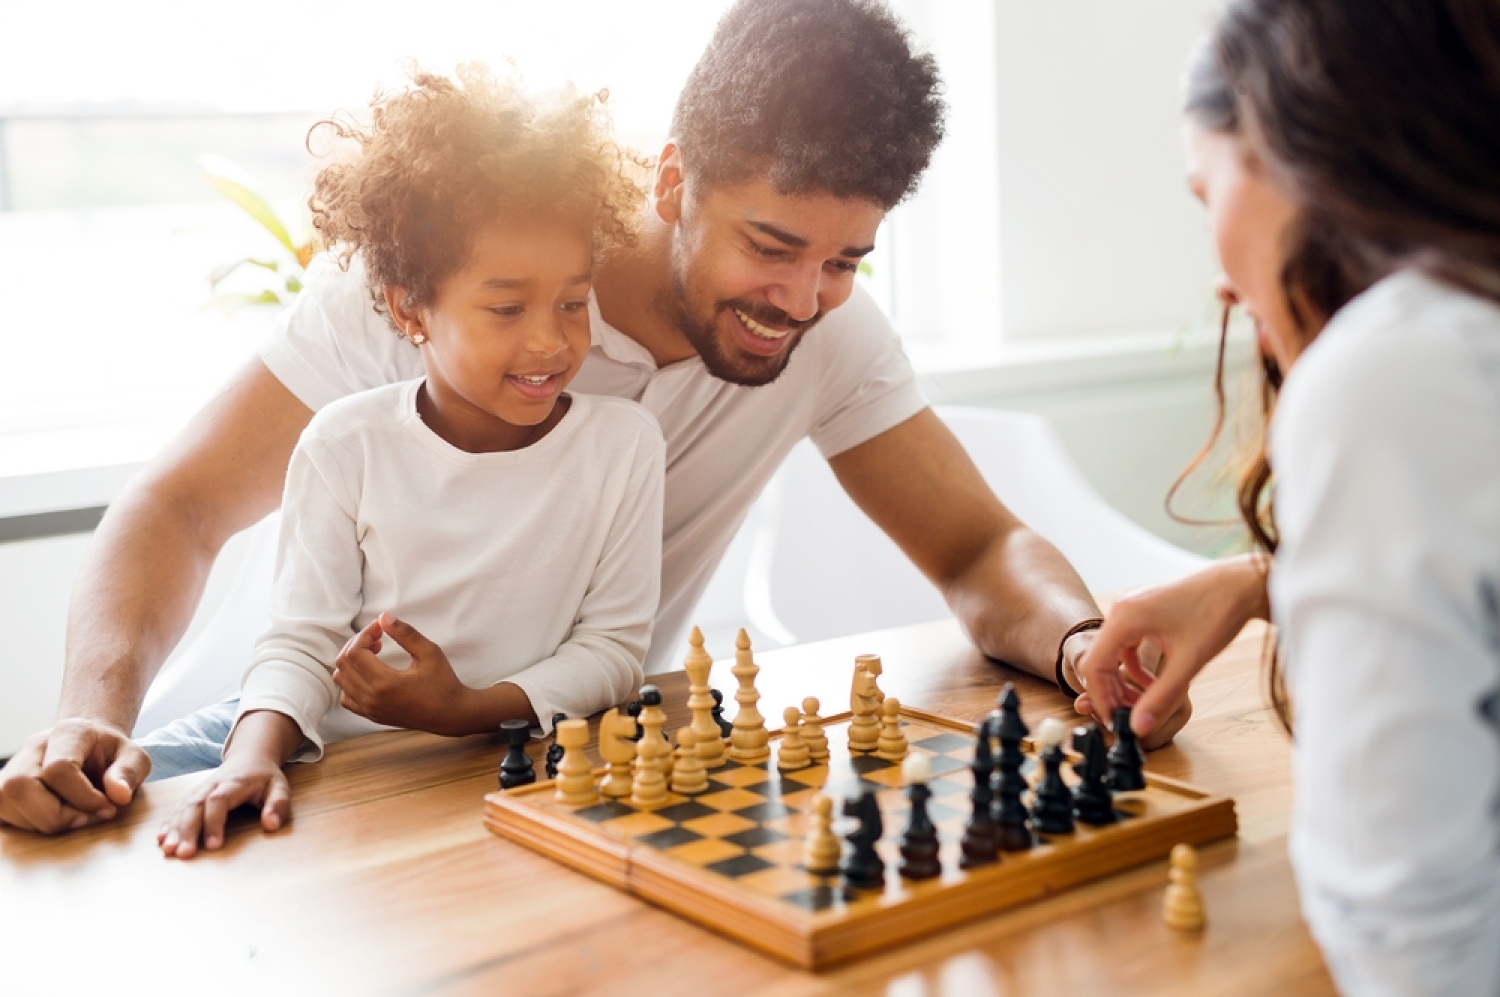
(630, 288)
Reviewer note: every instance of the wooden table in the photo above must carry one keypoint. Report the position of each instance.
(387, 883)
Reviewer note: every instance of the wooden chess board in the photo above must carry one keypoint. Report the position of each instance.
(731, 858)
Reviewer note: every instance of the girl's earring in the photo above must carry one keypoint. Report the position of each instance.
(417, 338)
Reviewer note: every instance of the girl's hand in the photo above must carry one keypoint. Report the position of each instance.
(249, 778)
(426, 696)
(1189, 621)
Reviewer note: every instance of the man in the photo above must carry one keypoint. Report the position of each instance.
(736, 320)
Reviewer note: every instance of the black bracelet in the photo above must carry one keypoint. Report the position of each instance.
(1090, 624)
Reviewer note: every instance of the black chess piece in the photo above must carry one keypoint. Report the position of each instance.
(1052, 804)
(919, 842)
(1008, 811)
(516, 768)
(1127, 766)
(980, 844)
(726, 727)
(555, 750)
(862, 868)
(633, 708)
(1092, 803)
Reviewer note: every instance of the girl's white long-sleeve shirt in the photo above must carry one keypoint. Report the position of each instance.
(540, 567)
(1386, 590)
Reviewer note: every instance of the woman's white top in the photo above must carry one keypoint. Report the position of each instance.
(1386, 590)
(540, 567)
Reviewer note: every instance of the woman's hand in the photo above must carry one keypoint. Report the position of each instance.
(1150, 659)
(427, 695)
(1188, 622)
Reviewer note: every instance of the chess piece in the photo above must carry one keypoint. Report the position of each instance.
(873, 668)
(980, 844)
(1127, 765)
(516, 768)
(633, 710)
(555, 750)
(919, 841)
(1092, 802)
(648, 783)
(617, 747)
(689, 776)
(653, 749)
(864, 728)
(575, 779)
(892, 744)
(862, 868)
(791, 753)
(1052, 804)
(725, 727)
(812, 731)
(1182, 907)
(706, 732)
(821, 850)
(748, 741)
(1008, 784)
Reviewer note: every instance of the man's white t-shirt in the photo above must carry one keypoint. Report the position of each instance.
(1386, 591)
(847, 382)
(539, 566)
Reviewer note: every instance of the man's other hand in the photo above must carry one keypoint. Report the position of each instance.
(78, 773)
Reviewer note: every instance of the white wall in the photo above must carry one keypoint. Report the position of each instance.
(1098, 234)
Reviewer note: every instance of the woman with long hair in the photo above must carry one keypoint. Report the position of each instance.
(1348, 155)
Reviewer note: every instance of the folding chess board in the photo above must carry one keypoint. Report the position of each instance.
(731, 858)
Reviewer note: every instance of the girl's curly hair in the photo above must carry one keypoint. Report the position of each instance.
(444, 157)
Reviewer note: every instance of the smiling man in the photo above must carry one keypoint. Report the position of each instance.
(736, 320)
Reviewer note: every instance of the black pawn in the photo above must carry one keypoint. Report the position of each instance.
(726, 727)
(1127, 766)
(919, 842)
(555, 750)
(862, 868)
(1009, 812)
(1052, 806)
(516, 768)
(1092, 803)
(980, 844)
(633, 709)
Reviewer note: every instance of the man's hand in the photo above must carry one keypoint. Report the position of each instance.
(426, 696)
(251, 778)
(1073, 653)
(78, 773)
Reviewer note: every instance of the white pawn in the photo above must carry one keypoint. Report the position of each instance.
(821, 851)
(575, 776)
(792, 754)
(689, 776)
(1182, 907)
(892, 744)
(812, 731)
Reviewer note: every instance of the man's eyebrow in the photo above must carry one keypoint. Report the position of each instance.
(797, 242)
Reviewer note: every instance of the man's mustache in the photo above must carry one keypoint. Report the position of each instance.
(770, 315)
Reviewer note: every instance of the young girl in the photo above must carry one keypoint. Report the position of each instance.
(476, 545)
(1348, 153)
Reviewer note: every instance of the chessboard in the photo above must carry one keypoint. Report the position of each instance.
(731, 858)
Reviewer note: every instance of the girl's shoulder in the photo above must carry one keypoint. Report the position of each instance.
(387, 406)
(614, 416)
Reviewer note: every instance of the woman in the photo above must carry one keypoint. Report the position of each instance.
(1348, 154)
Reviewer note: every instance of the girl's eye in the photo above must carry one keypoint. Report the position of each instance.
(575, 306)
(509, 311)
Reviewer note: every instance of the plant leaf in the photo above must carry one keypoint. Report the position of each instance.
(248, 200)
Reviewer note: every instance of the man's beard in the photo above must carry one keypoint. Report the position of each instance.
(744, 369)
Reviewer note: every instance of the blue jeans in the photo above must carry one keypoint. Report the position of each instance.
(192, 744)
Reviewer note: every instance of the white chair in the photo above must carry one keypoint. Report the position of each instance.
(820, 569)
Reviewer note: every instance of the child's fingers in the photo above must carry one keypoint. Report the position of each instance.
(411, 641)
(180, 839)
(277, 809)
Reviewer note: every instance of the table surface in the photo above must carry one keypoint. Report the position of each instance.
(386, 882)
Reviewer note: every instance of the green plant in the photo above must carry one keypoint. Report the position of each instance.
(284, 272)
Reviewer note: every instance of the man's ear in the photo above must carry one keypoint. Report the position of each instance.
(406, 318)
(667, 188)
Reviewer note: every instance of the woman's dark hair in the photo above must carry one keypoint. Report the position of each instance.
(1381, 120)
(821, 96)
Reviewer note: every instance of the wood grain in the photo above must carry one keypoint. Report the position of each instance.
(386, 881)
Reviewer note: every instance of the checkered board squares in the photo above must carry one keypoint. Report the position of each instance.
(730, 858)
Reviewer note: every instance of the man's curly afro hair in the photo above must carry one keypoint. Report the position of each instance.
(821, 96)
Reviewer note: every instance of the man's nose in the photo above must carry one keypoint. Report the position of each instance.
(798, 294)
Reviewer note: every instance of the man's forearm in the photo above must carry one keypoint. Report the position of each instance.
(1018, 599)
(134, 598)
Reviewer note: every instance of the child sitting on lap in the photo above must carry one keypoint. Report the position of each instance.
(476, 545)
